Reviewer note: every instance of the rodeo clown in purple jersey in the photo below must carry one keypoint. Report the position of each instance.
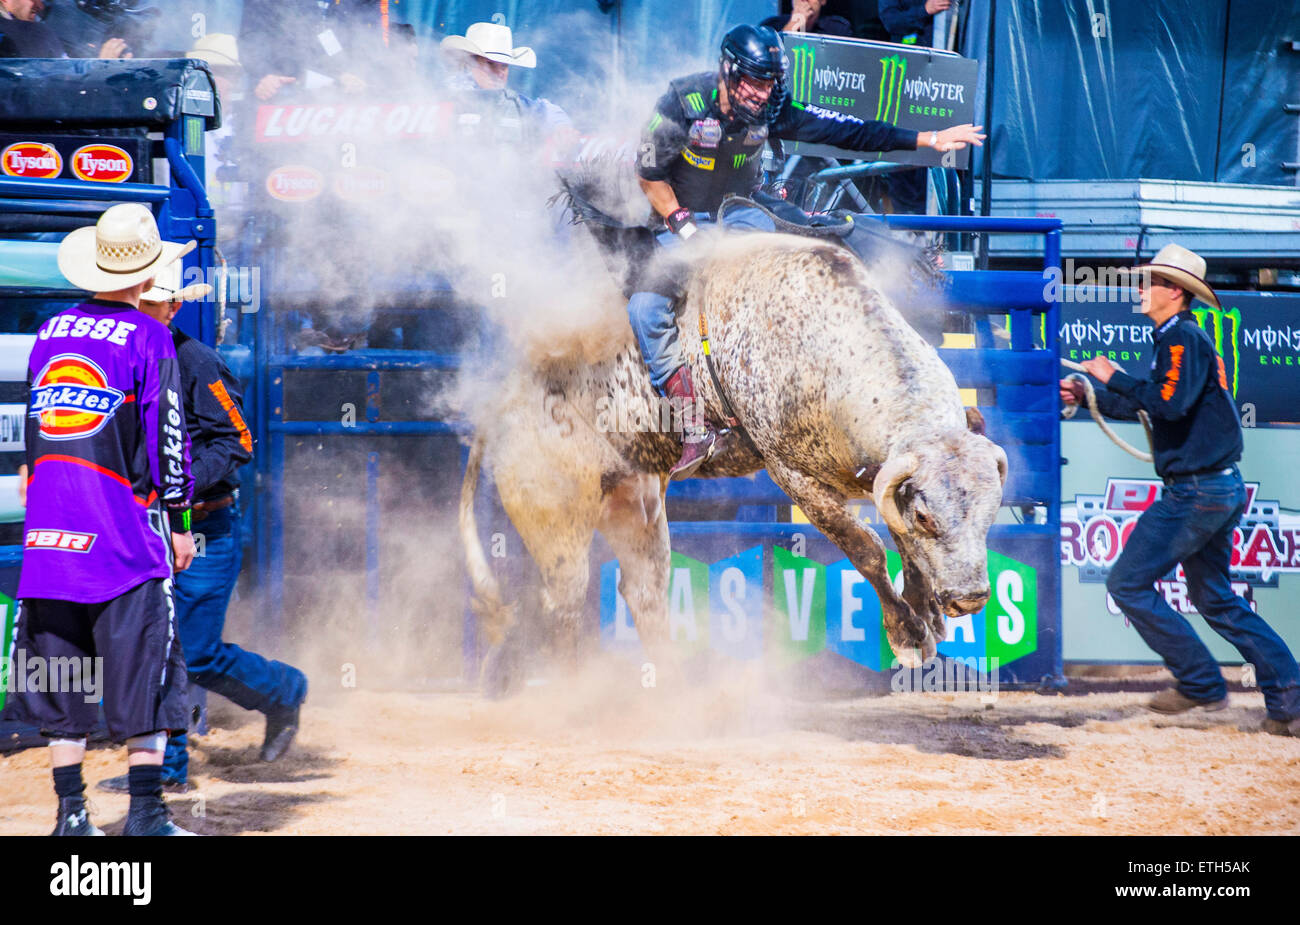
(702, 142)
(108, 517)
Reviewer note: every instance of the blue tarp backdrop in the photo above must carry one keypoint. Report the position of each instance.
(1168, 89)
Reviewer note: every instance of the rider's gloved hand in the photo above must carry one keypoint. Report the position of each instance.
(682, 223)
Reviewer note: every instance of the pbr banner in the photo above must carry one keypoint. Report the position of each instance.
(97, 159)
(919, 89)
(1256, 333)
(1104, 491)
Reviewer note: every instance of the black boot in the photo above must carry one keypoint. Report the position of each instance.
(698, 435)
(73, 818)
(281, 727)
(150, 816)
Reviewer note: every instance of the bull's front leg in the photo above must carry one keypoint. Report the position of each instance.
(908, 634)
(919, 593)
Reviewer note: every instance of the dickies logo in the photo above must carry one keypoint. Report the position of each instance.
(32, 159)
(295, 183)
(72, 398)
(102, 164)
(60, 539)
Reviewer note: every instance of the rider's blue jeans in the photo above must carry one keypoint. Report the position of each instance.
(202, 594)
(1192, 524)
(651, 314)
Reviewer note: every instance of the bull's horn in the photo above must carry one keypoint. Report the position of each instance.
(1001, 456)
(891, 475)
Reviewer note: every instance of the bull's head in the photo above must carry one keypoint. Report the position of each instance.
(939, 498)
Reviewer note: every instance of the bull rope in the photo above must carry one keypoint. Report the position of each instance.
(1068, 412)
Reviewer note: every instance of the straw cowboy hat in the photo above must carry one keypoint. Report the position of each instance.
(491, 41)
(219, 49)
(1179, 265)
(167, 287)
(122, 249)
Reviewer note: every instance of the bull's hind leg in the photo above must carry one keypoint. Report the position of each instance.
(635, 524)
(909, 636)
(555, 522)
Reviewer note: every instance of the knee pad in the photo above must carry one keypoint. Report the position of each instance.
(149, 742)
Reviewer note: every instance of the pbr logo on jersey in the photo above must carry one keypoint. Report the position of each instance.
(706, 133)
(72, 398)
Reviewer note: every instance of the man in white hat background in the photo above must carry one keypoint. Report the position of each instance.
(107, 521)
(479, 64)
(220, 444)
(1197, 441)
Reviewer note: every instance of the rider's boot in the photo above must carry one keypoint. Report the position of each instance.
(698, 435)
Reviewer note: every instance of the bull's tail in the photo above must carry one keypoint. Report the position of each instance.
(485, 594)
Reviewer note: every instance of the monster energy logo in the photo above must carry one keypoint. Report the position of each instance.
(892, 71)
(696, 101)
(738, 161)
(805, 56)
(1217, 317)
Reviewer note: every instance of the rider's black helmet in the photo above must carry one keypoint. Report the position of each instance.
(754, 51)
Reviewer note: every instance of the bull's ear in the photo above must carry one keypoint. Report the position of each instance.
(975, 421)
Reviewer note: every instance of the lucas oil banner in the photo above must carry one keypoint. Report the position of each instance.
(767, 602)
(922, 90)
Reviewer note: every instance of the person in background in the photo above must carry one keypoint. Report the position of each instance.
(912, 21)
(221, 53)
(221, 444)
(479, 64)
(33, 39)
(311, 45)
(108, 519)
(23, 35)
(863, 17)
(1196, 441)
(807, 16)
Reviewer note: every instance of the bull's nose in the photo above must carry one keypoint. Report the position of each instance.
(959, 604)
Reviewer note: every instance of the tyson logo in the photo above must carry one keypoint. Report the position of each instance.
(295, 183)
(102, 164)
(361, 184)
(72, 398)
(32, 159)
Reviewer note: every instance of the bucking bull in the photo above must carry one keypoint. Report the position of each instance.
(839, 399)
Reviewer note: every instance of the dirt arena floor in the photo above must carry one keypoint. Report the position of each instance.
(607, 756)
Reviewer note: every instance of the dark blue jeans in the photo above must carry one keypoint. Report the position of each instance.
(202, 595)
(1192, 524)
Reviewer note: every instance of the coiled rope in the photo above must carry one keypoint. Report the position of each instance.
(1068, 412)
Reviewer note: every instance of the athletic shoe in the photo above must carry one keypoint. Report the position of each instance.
(122, 784)
(281, 727)
(73, 818)
(1171, 701)
(155, 819)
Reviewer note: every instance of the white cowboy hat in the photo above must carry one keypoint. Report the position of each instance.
(123, 248)
(167, 287)
(1179, 265)
(219, 49)
(491, 41)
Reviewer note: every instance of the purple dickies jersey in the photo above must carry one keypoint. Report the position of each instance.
(107, 452)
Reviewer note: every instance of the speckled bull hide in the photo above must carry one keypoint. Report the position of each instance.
(842, 400)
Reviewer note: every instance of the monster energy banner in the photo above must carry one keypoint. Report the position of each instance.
(922, 90)
(1256, 333)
